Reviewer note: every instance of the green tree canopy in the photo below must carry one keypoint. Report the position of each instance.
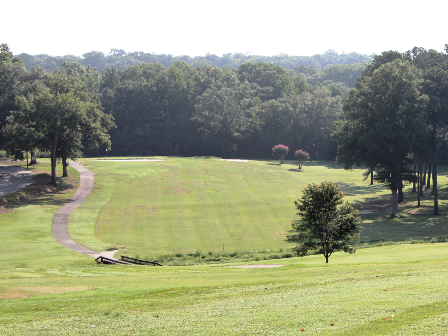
(326, 224)
(384, 124)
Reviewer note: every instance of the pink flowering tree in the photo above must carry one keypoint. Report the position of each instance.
(301, 156)
(281, 151)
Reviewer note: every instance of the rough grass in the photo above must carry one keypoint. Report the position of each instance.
(379, 291)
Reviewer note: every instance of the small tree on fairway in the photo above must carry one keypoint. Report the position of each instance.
(281, 151)
(301, 156)
(324, 226)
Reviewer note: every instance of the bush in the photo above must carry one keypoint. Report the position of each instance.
(281, 151)
(301, 156)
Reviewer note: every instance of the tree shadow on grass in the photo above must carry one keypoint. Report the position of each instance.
(352, 189)
(297, 170)
(40, 192)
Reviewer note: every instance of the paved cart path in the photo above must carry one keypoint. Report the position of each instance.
(13, 178)
(60, 219)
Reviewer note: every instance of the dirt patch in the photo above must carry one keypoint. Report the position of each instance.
(372, 208)
(257, 266)
(24, 292)
(37, 171)
(129, 160)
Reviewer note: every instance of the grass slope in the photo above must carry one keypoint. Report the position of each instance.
(189, 204)
(393, 290)
(26, 219)
(46, 289)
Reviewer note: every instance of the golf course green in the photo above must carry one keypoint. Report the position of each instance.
(184, 205)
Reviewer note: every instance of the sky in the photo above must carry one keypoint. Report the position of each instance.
(198, 27)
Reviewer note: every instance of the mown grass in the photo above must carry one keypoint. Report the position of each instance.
(26, 218)
(386, 290)
(184, 204)
(378, 291)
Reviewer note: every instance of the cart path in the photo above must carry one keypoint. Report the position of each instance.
(13, 179)
(60, 219)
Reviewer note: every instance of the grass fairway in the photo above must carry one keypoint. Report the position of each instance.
(206, 204)
(45, 289)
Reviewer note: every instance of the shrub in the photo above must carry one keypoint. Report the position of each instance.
(301, 156)
(281, 151)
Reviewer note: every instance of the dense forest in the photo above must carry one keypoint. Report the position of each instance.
(121, 60)
(189, 108)
(238, 109)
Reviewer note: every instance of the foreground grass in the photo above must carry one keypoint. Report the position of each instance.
(26, 218)
(379, 291)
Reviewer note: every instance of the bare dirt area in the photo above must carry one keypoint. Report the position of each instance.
(373, 207)
(128, 160)
(24, 292)
(257, 266)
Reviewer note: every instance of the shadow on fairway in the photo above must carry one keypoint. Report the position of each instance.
(40, 192)
(351, 189)
(297, 170)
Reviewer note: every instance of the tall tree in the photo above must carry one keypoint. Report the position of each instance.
(58, 116)
(383, 124)
(434, 67)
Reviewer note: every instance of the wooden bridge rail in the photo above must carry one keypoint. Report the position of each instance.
(139, 261)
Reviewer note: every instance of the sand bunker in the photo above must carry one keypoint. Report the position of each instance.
(234, 160)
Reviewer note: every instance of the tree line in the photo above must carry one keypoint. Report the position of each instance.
(186, 110)
(121, 59)
(393, 117)
(396, 121)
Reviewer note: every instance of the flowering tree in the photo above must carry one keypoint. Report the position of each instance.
(281, 151)
(301, 156)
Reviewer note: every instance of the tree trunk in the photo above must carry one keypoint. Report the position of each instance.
(27, 163)
(53, 159)
(424, 176)
(434, 185)
(419, 181)
(395, 203)
(53, 168)
(415, 178)
(371, 176)
(33, 158)
(428, 183)
(64, 166)
(400, 195)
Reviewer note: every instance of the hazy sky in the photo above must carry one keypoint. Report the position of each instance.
(197, 27)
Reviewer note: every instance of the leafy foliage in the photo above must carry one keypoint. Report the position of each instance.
(301, 156)
(121, 59)
(384, 123)
(324, 225)
(281, 151)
